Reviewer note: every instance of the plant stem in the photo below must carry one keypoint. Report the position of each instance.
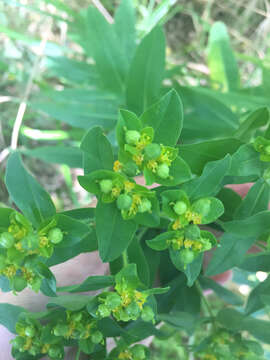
(78, 355)
(205, 302)
(125, 258)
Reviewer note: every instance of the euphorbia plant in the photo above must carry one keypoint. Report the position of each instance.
(154, 240)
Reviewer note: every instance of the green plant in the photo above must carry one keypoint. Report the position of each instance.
(147, 235)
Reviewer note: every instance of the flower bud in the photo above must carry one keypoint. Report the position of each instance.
(180, 207)
(55, 235)
(97, 337)
(147, 314)
(132, 137)
(186, 256)
(106, 186)
(152, 151)
(144, 206)
(124, 202)
(163, 171)
(18, 283)
(30, 331)
(6, 240)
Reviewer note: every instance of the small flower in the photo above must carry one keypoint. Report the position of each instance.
(117, 166)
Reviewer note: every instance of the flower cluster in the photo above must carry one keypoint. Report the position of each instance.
(130, 198)
(143, 155)
(262, 145)
(224, 345)
(136, 352)
(21, 247)
(35, 338)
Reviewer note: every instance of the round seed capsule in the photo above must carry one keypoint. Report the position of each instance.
(180, 207)
(124, 202)
(152, 151)
(97, 337)
(30, 331)
(186, 256)
(144, 206)
(55, 235)
(163, 171)
(106, 186)
(132, 137)
(19, 283)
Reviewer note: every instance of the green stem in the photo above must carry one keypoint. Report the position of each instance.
(78, 355)
(141, 234)
(205, 302)
(125, 258)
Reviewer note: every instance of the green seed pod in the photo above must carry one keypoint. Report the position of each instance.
(138, 352)
(113, 301)
(186, 256)
(104, 311)
(97, 337)
(56, 352)
(124, 202)
(144, 206)
(192, 232)
(132, 137)
(106, 186)
(60, 330)
(18, 342)
(131, 169)
(6, 240)
(2, 262)
(55, 235)
(163, 171)
(180, 207)
(147, 314)
(18, 283)
(30, 331)
(152, 151)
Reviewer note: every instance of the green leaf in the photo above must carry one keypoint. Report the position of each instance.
(256, 200)
(192, 271)
(216, 209)
(221, 61)
(97, 151)
(245, 166)
(68, 155)
(231, 319)
(255, 300)
(225, 294)
(166, 118)
(210, 182)
(5, 217)
(231, 200)
(230, 253)
(155, 291)
(256, 262)
(137, 256)
(26, 192)
(129, 275)
(179, 173)
(48, 285)
(253, 226)
(160, 242)
(180, 320)
(252, 122)
(146, 72)
(103, 44)
(92, 283)
(9, 316)
(124, 23)
(199, 154)
(113, 232)
(70, 302)
(206, 118)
